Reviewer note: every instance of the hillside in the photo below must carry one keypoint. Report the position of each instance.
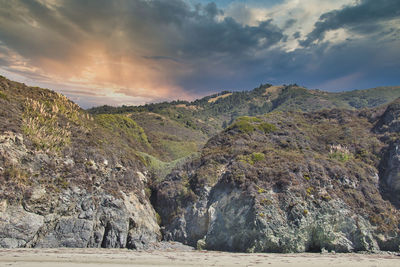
(192, 123)
(291, 182)
(276, 169)
(212, 113)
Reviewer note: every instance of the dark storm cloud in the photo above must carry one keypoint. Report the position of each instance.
(364, 18)
(159, 49)
(33, 30)
(165, 28)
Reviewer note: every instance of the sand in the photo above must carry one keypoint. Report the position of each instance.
(123, 257)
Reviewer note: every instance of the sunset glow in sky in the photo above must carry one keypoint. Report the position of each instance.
(137, 51)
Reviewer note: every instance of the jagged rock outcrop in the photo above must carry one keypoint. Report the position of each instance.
(289, 182)
(68, 179)
(72, 216)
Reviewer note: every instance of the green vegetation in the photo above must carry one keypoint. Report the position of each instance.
(17, 175)
(310, 190)
(340, 156)
(252, 159)
(3, 95)
(179, 149)
(124, 125)
(267, 127)
(247, 124)
(159, 168)
(48, 122)
(266, 202)
(340, 153)
(243, 125)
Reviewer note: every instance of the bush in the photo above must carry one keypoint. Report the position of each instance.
(3, 95)
(257, 157)
(252, 159)
(243, 126)
(250, 124)
(267, 127)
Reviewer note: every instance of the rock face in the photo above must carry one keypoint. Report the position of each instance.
(73, 216)
(17, 226)
(235, 222)
(391, 175)
(112, 224)
(311, 184)
(66, 180)
(390, 164)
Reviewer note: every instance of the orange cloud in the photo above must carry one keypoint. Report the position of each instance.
(93, 66)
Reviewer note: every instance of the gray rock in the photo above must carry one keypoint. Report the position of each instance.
(69, 232)
(71, 215)
(392, 168)
(18, 227)
(236, 222)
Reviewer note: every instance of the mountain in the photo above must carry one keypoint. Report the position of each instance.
(275, 169)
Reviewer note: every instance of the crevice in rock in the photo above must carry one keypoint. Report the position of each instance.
(314, 248)
(107, 231)
(386, 168)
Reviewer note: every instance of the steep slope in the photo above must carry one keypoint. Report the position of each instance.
(68, 179)
(291, 182)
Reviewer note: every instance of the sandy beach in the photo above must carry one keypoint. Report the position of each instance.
(122, 257)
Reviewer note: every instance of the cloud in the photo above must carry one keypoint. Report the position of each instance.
(139, 51)
(139, 48)
(364, 18)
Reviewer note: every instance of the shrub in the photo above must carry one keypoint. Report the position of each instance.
(252, 159)
(256, 157)
(48, 123)
(340, 153)
(250, 124)
(3, 95)
(267, 127)
(243, 126)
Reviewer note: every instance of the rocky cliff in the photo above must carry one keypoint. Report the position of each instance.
(66, 181)
(291, 182)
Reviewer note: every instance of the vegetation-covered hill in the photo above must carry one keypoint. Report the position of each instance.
(278, 168)
(212, 113)
(179, 129)
(291, 182)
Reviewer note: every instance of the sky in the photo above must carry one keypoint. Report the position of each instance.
(131, 52)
